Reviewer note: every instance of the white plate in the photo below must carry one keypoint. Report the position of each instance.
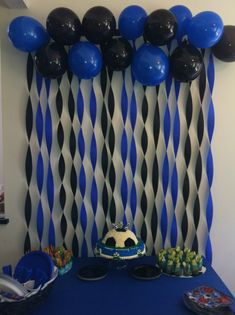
(9, 284)
(182, 276)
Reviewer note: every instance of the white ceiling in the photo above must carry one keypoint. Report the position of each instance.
(15, 4)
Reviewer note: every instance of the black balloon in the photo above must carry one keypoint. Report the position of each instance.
(51, 61)
(117, 54)
(98, 25)
(186, 63)
(160, 27)
(64, 26)
(225, 48)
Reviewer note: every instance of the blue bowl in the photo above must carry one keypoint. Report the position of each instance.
(39, 266)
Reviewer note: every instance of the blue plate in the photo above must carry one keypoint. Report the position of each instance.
(208, 298)
(39, 266)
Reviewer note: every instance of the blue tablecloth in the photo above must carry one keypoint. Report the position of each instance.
(120, 294)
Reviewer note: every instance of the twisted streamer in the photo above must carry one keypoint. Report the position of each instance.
(50, 180)
(133, 152)
(144, 170)
(209, 162)
(93, 157)
(28, 160)
(82, 174)
(104, 153)
(111, 142)
(61, 164)
(155, 170)
(40, 163)
(198, 166)
(166, 168)
(170, 181)
(174, 177)
(124, 148)
(187, 157)
(73, 173)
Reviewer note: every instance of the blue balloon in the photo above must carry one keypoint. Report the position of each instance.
(183, 16)
(27, 34)
(205, 29)
(131, 22)
(150, 65)
(85, 60)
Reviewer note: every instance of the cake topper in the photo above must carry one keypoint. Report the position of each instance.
(120, 226)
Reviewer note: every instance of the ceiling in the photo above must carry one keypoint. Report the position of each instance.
(13, 4)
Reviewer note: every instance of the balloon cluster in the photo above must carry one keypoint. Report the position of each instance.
(150, 65)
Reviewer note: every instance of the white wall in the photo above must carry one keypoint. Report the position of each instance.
(223, 146)
(1, 144)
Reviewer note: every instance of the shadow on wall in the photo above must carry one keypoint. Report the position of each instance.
(19, 4)
(2, 4)
(1, 202)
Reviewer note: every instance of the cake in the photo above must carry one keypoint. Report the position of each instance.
(179, 262)
(120, 243)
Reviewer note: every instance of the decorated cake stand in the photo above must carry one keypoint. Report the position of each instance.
(119, 245)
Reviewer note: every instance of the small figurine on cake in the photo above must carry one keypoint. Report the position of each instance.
(120, 243)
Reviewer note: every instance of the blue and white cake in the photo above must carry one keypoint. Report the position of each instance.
(120, 243)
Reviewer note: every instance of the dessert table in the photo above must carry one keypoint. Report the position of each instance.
(119, 293)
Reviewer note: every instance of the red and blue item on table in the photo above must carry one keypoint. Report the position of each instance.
(209, 298)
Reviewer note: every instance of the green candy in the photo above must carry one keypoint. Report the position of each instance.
(178, 269)
(169, 266)
(179, 261)
(187, 269)
(194, 267)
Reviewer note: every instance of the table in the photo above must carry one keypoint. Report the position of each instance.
(119, 294)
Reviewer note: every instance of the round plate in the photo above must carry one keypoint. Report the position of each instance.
(145, 272)
(183, 276)
(11, 285)
(39, 263)
(92, 272)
